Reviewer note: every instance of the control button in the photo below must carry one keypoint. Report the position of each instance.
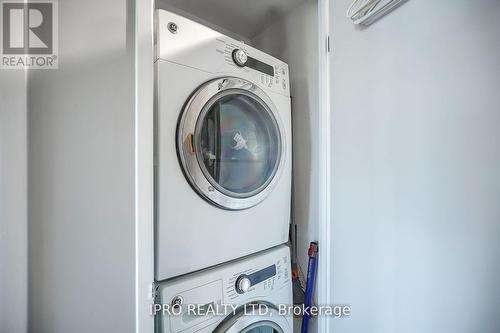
(173, 28)
(243, 284)
(177, 302)
(240, 57)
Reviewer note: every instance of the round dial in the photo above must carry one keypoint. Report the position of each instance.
(243, 284)
(240, 57)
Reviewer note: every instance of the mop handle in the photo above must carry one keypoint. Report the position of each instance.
(311, 270)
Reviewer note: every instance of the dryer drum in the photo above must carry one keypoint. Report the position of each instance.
(230, 143)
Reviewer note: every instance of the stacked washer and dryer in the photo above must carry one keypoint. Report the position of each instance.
(223, 179)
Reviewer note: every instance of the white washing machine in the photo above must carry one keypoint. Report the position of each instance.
(261, 281)
(223, 148)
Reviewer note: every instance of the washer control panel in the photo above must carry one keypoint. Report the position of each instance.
(244, 281)
(260, 280)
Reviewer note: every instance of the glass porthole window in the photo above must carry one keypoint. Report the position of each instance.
(238, 143)
(230, 143)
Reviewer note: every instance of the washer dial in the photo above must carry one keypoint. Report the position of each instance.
(243, 283)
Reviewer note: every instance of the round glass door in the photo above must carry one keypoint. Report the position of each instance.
(245, 321)
(237, 143)
(230, 144)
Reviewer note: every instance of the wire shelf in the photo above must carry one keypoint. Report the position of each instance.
(365, 12)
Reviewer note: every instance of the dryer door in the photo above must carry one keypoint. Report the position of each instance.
(272, 322)
(230, 143)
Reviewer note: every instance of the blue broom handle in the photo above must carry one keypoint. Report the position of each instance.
(313, 250)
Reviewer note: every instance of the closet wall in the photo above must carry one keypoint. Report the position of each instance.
(81, 246)
(13, 201)
(416, 161)
(239, 19)
(293, 39)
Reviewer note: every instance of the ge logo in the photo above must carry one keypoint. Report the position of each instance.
(27, 27)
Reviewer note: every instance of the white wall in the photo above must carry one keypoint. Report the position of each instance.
(215, 20)
(293, 39)
(81, 175)
(13, 202)
(416, 160)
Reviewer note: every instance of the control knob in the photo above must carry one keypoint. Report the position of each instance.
(243, 283)
(240, 57)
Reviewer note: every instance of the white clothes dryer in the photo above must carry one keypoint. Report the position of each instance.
(223, 148)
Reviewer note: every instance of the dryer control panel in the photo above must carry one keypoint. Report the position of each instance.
(186, 42)
(269, 76)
